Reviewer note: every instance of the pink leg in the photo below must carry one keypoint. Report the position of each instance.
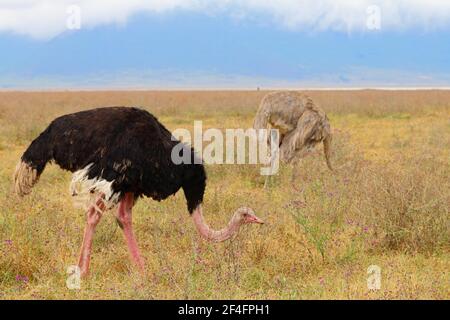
(124, 216)
(93, 216)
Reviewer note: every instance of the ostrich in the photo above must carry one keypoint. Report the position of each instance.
(300, 122)
(118, 154)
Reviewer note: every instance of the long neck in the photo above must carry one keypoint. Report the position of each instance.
(213, 235)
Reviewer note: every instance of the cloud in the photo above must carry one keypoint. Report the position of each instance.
(44, 19)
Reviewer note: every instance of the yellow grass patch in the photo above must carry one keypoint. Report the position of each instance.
(387, 204)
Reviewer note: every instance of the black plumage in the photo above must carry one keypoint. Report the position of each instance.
(128, 146)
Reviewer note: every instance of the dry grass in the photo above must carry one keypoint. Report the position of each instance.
(387, 204)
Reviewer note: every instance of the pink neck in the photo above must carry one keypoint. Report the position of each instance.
(213, 235)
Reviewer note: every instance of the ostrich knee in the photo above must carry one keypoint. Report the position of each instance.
(124, 212)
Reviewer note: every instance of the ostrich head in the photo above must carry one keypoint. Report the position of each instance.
(241, 216)
(245, 215)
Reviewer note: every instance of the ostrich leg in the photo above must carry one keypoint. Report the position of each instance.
(124, 217)
(93, 216)
(275, 144)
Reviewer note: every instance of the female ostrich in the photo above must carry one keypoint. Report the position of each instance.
(300, 122)
(118, 154)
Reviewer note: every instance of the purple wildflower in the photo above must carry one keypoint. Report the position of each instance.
(21, 278)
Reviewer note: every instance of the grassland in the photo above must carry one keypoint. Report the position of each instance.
(387, 204)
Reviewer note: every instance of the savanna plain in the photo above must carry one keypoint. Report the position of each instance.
(386, 204)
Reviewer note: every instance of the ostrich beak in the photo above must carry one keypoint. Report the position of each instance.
(255, 219)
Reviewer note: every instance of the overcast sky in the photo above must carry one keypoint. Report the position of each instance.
(224, 43)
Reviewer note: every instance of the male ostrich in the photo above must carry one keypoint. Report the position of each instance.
(119, 154)
(301, 123)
